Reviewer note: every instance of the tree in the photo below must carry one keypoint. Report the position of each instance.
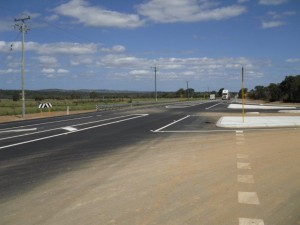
(39, 98)
(259, 92)
(245, 92)
(290, 88)
(16, 96)
(190, 92)
(180, 93)
(220, 92)
(93, 95)
(274, 92)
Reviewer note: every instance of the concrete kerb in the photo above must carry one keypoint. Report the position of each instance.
(258, 121)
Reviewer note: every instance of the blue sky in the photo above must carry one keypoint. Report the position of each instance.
(97, 44)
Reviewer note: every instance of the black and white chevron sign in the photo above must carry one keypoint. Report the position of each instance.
(45, 105)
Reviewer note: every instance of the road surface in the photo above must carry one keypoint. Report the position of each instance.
(159, 165)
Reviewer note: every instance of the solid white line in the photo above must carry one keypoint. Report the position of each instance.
(18, 130)
(36, 124)
(57, 135)
(213, 105)
(80, 124)
(192, 131)
(176, 121)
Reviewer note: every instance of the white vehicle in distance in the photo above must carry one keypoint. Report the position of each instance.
(225, 95)
(212, 97)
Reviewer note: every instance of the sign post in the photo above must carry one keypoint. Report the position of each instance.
(45, 105)
(243, 95)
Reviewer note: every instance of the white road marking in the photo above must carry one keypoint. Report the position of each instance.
(250, 221)
(241, 165)
(191, 131)
(245, 179)
(69, 128)
(18, 130)
(240, 137)
(248, 198)
(36, 124)
(176, 121)
(87, 128)
(75, 125)
(239, 106)
(242, 156)
(213, 106)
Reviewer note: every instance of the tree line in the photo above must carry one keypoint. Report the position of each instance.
(287, 91)
(57, 94)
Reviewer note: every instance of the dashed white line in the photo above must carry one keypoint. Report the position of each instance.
(250, 221)
(248, 198)
(245, 179)
(242, 156)
(241, 165)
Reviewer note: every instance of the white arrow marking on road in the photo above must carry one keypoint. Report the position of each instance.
(70, 128)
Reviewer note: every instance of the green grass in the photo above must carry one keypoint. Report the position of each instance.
(9, 107)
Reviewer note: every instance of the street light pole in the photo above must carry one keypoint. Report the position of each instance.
(23, 28)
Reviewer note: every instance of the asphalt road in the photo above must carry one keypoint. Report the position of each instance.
(157, 165)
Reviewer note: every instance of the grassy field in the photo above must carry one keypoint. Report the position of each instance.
(9, 107)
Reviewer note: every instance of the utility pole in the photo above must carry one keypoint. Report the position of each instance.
(23, 28)
(155, 69)
(187, 89)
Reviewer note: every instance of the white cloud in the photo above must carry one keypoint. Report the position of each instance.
(97, 16)
(113, 61)
(272, 2)
(242, 1)
(293, 60)
(114, 49)
(52, 73)
(55, 48)
(62, 71)
(49, 60)
(170, 11)
(52, 18)
(118, 48)
(139, 73)
(9, 71)
(276, 15)
(275, 19)
(82, 60)
(48, 70)
(272, 24)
